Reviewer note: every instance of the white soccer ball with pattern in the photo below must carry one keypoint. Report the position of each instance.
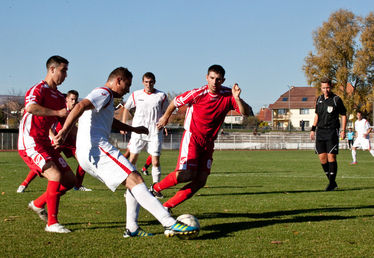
(189, 220)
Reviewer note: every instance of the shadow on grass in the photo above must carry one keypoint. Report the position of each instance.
(225, 229)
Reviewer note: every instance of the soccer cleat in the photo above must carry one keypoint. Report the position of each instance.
(56, 228)
(42, 213)
(354, 163)
(331, 186)
(21, 189)
(82, 188)
(156, 194)
(137, 233)
(180, 228)
(145, 171)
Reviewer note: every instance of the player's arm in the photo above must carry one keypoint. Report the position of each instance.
(38, 110)
(244, 108)
(344, 124)
(71, 120)
(119, 126)
(165, 118)
(314, 126)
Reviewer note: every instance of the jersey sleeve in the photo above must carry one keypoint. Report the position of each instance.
(341, 108)
(130, 103)
(100, 98)
(34, 96)
(187, 98)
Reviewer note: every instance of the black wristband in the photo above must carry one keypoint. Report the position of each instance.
(314, 128)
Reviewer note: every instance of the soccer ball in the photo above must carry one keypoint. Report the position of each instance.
(189, 220)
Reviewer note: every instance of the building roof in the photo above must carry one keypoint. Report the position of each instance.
(264, 115)
(296, 97)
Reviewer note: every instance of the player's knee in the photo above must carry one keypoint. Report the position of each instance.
(133, 179)
(184, 176)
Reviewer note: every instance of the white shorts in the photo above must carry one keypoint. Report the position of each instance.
(106, 163)
(362, 143)
(138, 142)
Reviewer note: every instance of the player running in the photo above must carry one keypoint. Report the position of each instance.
(207, 108)
(149, 104)
(102, 160)
(44, 106)
(362, 127)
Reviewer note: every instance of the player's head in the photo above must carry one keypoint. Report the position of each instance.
(119, 81)
(57, 68)
(215, 78)
(326, 86)
(71, 99)
(149, 81)
(359, 115)
(350, 129)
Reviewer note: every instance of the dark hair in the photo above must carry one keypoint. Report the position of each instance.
(120, 71)
(72, 92)
(56, 60)
(150, 76)
(326, 80)
(217, 69)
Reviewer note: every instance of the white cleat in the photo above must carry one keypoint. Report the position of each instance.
(21, 189)
(56, 228)
(83, 189)
(42, 213)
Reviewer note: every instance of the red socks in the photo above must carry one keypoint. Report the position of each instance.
(179, 197)
(29, 178)
(53, 199)
(169, 181)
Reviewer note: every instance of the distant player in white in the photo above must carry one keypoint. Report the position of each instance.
(150, 104)
(362, 141)
(102, 160)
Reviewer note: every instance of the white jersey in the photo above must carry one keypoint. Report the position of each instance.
(149, 108)
(95, 125)
(361, 127)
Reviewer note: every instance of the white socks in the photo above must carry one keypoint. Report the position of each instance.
(354, 156)
(371, 152)
(132, 212)
(156, 174)
(151, 204)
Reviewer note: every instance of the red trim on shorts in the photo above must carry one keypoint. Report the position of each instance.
(128, 171)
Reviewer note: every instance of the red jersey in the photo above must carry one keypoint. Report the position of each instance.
(34, 130)
(206, 111)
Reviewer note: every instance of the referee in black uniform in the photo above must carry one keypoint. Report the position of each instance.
(325, 130)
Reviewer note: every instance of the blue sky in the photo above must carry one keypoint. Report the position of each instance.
(261, 44)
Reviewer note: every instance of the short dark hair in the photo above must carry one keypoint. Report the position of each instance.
(150, 76)
(326, 80)
(72, 92)
(217, 69)
(56, 60)
(120, 71)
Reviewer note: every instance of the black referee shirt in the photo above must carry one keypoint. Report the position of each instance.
(328, 111)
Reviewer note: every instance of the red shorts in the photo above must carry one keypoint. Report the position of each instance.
(68, 150)
(195, 154)
(36, 158)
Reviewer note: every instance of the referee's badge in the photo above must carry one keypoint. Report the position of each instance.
(330, 109)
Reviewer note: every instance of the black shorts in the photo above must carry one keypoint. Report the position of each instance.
(327, 141)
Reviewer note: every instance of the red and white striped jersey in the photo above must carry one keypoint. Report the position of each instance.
(34, 130)
(206, 111)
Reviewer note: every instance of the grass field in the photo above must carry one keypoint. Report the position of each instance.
(255, 204)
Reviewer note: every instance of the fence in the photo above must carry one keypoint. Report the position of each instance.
(232, 141)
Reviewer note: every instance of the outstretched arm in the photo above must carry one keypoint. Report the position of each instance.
(119, 126)
(39, 110)
(244, 108)
(165, 118)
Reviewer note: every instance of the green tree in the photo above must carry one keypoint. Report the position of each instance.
(339, 57)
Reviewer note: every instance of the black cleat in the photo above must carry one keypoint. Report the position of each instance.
(331, 186)
(156, 194)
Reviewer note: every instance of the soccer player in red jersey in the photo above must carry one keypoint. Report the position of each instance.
(207, 108)
(44, 106)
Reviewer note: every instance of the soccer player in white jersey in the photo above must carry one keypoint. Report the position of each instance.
(362, 141)
(150, 104)
(102, 160)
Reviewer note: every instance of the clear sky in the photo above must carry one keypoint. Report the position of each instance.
(261, 44)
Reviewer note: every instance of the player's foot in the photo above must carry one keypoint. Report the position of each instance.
(137, 233)
(331, 186)
(354, 163)
(156, 194)
(21, 189)
(56, 228)
(42, 213)
(180, 228)
(82, 188)
(145, 171)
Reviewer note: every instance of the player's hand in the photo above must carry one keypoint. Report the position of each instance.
(342, 135)
(312, 135)
(162, 122)
(236, 90)
(123, 132)
(58, 140)
(141, 130)
(62, 112)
